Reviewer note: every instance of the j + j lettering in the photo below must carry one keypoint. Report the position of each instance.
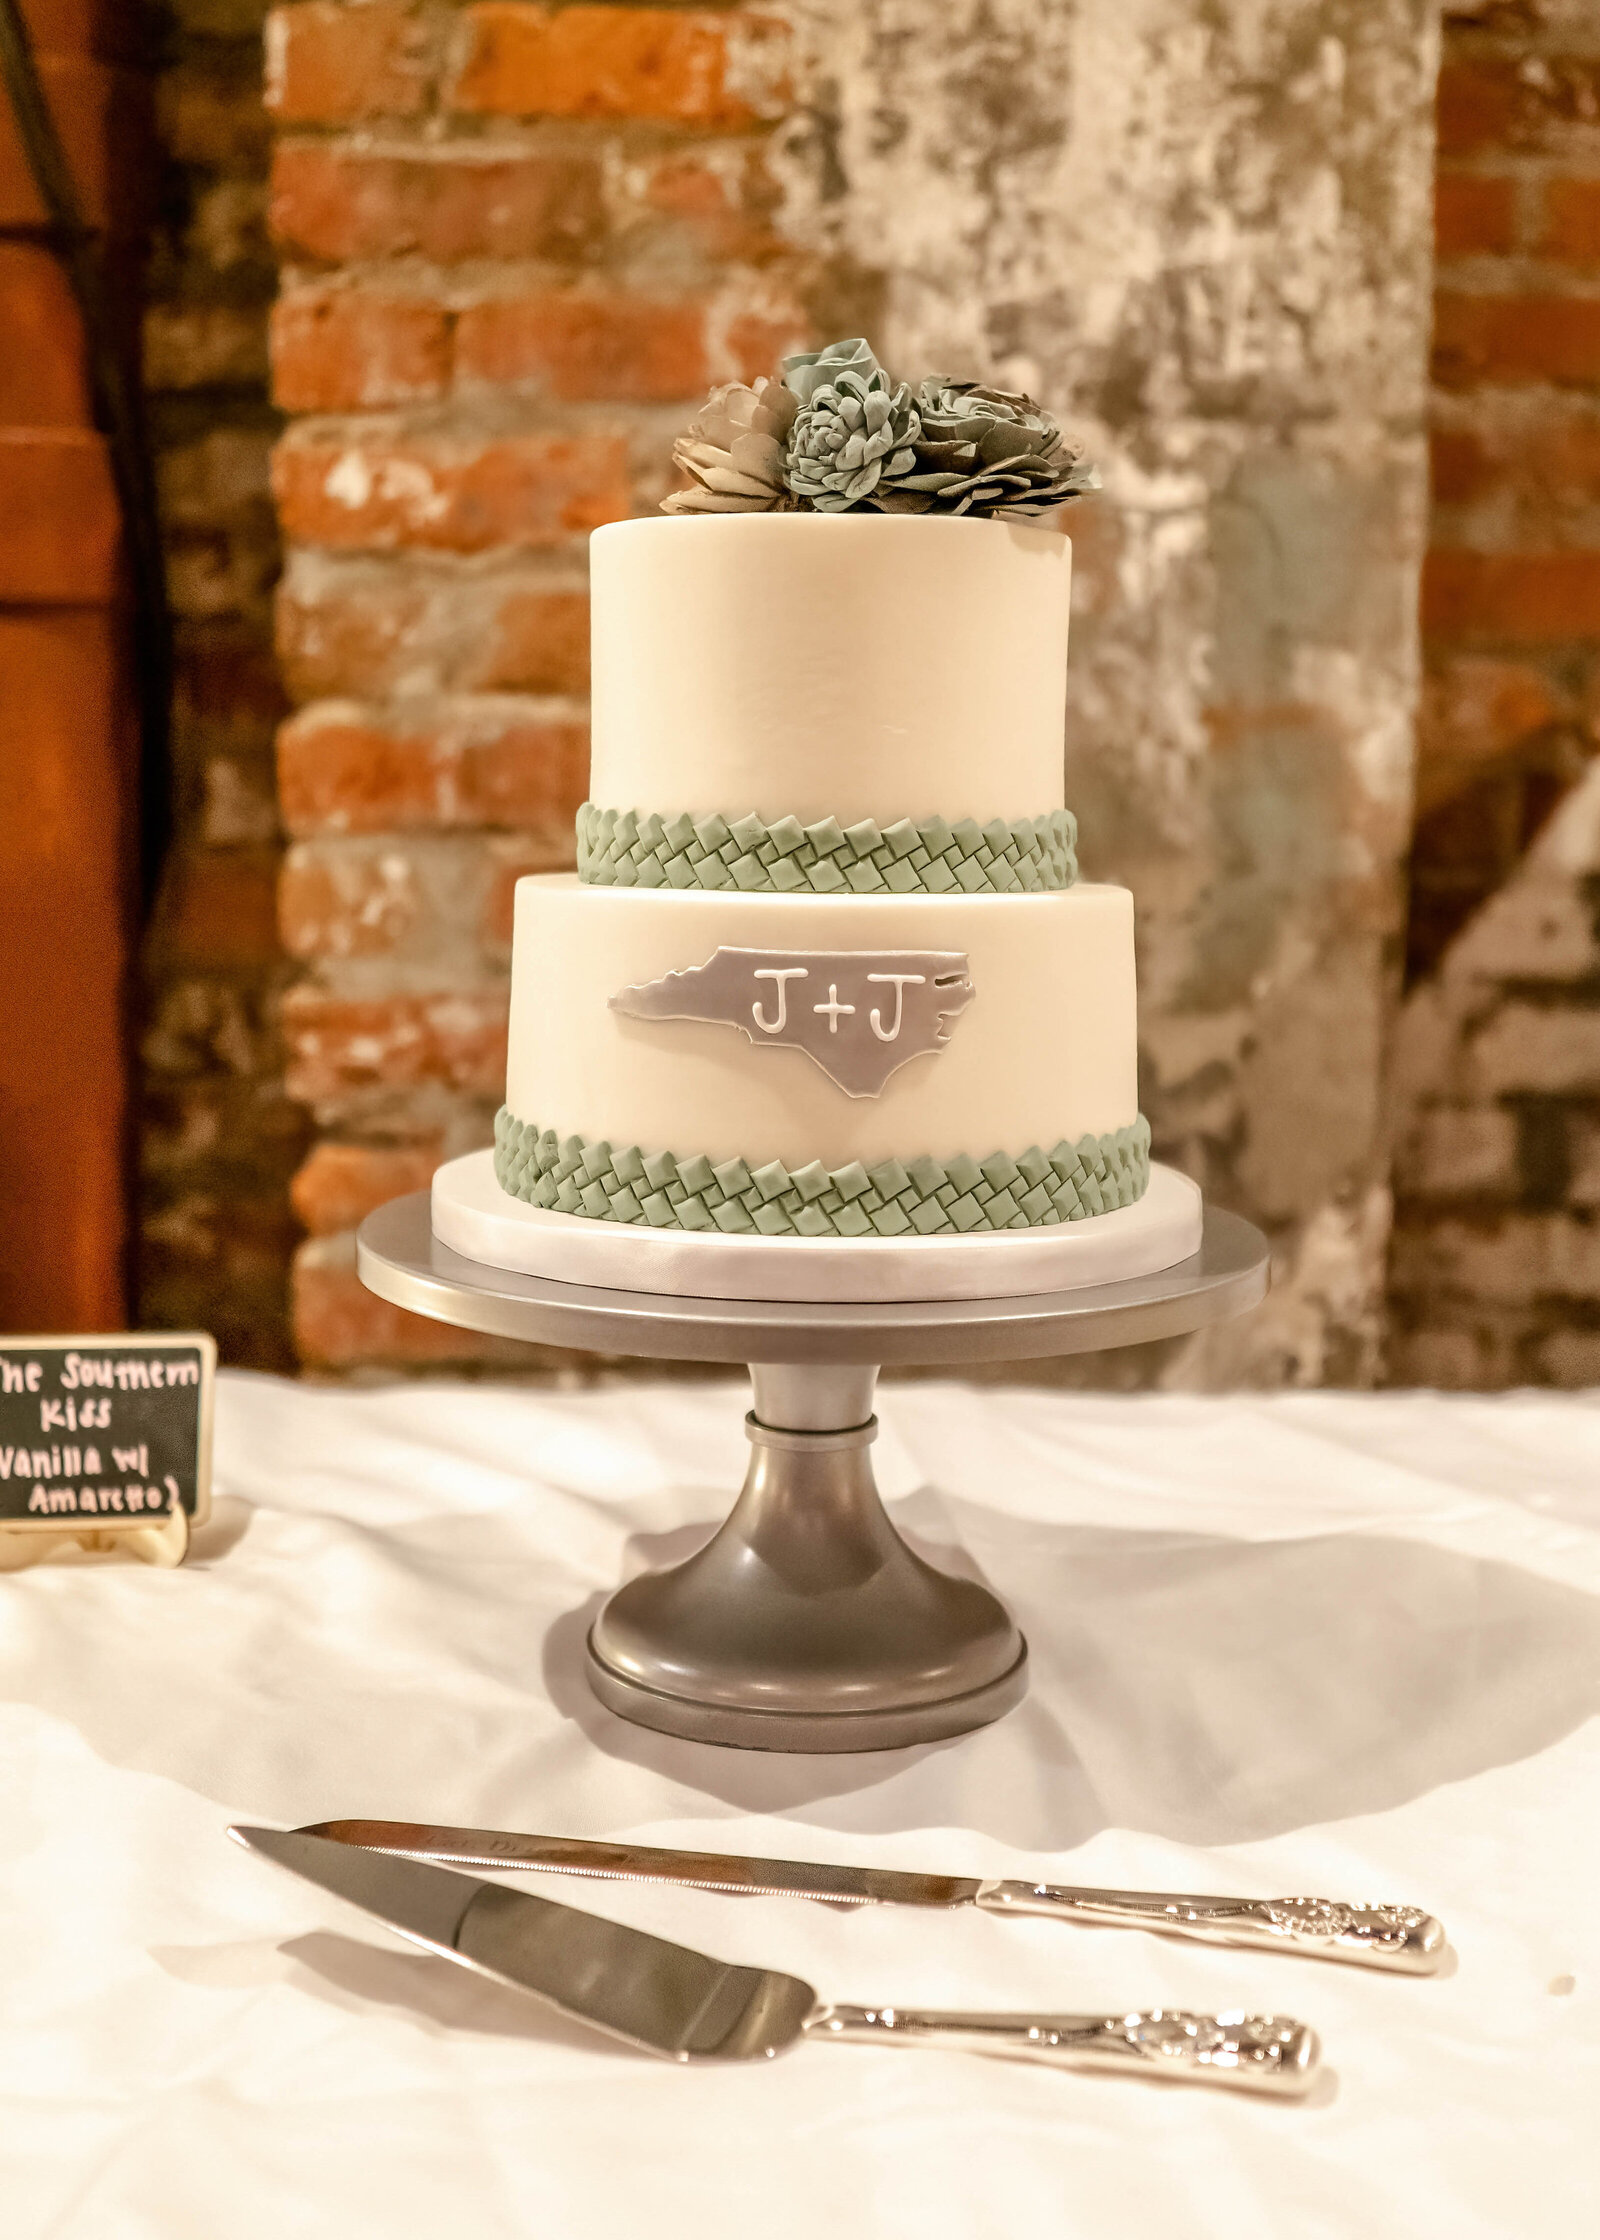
(833, 1010)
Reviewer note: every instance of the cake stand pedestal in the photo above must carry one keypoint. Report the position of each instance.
(806, 1622)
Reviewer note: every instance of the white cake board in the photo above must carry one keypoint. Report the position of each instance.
(472, 1215)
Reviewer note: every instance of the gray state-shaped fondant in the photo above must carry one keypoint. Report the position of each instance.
(858, 1014)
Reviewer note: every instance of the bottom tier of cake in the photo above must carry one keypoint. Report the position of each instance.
(853, 1066)
(475, 1217)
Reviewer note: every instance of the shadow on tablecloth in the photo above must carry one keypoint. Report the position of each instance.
(1206, 1690)
(1203, 1689)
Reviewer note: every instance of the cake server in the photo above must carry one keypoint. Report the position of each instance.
(1400, 1938)
(666, 1999)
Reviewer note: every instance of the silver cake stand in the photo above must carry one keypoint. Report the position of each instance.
(806, 1622)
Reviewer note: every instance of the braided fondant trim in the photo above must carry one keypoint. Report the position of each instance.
(1027, 855)
(923, 1197)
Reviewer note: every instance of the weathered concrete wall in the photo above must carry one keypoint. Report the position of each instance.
(1203, 230)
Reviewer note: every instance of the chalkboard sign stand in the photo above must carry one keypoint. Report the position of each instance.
(105, 1445)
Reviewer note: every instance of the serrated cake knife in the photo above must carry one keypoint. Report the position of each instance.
(667, 1999)
(1400, 1938)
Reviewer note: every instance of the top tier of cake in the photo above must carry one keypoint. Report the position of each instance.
(844, 666)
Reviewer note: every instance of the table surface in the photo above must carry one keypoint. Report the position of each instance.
(1308, 1644)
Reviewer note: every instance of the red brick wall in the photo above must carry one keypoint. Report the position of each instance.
(517, 244)
(1511, 595)
(1490, 1154)
(220, 1139)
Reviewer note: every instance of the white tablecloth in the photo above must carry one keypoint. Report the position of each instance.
(1317, 1643)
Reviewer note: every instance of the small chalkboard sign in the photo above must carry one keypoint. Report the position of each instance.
(105, 1434)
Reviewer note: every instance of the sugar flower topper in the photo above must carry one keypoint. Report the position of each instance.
(837, 434)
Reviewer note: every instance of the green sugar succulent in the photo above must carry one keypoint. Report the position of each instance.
(855, 426)
(982, 450)
(733, 450)
(838, 434)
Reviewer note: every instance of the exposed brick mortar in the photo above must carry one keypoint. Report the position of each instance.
(356, 624)
(1477, 778)
(1497, 1076)
(504, 284)
(467, 762)
(219, 1137)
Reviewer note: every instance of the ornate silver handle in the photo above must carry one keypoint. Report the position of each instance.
(1245, 2052)
(1397, 1937)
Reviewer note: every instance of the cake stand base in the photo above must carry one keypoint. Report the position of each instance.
(806, 1622)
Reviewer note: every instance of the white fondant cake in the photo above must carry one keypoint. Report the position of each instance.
(1045, 1050)
(829, 665)
(824, 970)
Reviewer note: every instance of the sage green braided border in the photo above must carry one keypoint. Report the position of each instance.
(926, 1197)
(1028, 855)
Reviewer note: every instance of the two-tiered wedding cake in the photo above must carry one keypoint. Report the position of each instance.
(825, 973)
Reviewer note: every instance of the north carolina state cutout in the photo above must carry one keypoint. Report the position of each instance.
(858, 1014)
